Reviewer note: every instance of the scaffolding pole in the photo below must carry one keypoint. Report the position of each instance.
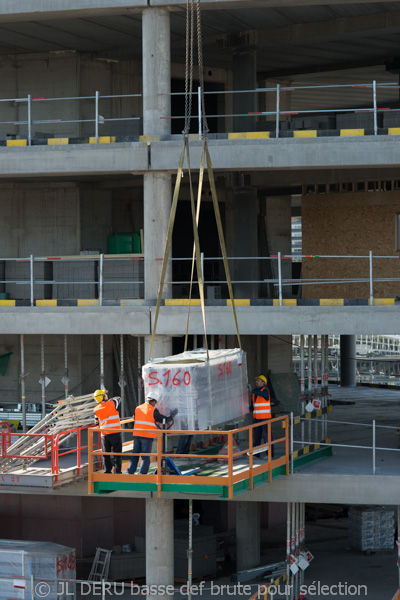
(102, 387)
(122, 376)
(22, 380)
(43, 376)
(66, 378)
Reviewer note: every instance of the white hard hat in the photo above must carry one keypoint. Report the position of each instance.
(152, 396)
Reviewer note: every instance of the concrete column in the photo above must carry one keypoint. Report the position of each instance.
(156, 71)
(244, 241)
(156, 187)
(247, 535)
(348, 363)
(244, 78)
(159, 542)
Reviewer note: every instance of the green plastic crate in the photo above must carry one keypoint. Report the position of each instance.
(123, 243)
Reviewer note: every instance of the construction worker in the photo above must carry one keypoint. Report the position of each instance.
(146, 417)
(261, 408)
(107, 417)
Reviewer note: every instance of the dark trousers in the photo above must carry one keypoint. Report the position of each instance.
(111, 443)
(140, 444)
(262, 432)
(184, 443)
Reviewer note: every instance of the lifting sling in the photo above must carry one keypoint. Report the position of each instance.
(195, 211)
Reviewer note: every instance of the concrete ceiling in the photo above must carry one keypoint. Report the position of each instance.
(291, 37)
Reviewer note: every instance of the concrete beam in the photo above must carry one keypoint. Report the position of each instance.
(83, 320)
(253, 320)
(269, 155)
(330, 489)
(50, 9)
(352, 27)
(286, 320)
(300, 487)
(288, 153)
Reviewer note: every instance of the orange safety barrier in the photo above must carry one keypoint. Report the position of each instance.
(226, 480)
(51, 445)
(5, 425)
(55, 462)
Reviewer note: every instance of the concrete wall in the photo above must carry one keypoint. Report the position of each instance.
(83, 366)
(350, 224)
(95, 219)
(81, 523)
(39, 219)
(68, 74)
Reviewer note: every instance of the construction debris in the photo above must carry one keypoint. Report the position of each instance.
(70, 413)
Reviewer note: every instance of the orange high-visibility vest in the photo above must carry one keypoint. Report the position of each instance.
(108, 417)
(144, 419)
(262, 406)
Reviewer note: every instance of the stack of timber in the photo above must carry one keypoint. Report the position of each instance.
(68, 414)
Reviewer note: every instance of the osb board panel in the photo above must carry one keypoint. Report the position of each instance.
(350, 224)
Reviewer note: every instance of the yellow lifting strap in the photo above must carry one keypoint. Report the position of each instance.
(185, 149)
(196, 251)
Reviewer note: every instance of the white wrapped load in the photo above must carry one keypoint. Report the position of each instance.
(206, 393)
(48, 563)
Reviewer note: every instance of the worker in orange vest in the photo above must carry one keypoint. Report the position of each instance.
(146, 417)
(261, 409)
(107, 417)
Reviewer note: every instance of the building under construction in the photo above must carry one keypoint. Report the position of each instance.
(287, 110)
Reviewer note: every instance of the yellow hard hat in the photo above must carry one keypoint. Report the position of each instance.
(262, 377)
(98, 395)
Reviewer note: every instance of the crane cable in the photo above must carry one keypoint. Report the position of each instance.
(205, 158)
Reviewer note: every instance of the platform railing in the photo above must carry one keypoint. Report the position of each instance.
(232, 453)
(373, 448)
(277, 263)
(51, 448)
(98, 110)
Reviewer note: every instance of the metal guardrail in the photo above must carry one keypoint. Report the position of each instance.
(323, 422)
(102, 283)
(228, 479)
(367, 104)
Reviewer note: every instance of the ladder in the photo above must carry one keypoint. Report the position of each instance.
(101, 565)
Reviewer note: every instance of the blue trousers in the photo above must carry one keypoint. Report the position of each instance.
(261, 432)
(140, 444)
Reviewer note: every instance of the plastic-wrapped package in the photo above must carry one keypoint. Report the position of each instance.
(207, 393)
(48, 563)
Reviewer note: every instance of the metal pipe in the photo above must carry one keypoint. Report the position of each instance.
(288, 525)
(292, 547)
(22, 379)
(278, 104)
(309, 360)
(29, 120)
(316, 385)
(122, 376)
(291, 442)
(371, 289)
(302, 383)
(190, 550)
(375, 109)
(101, 282)
(66, 378)
(199, 109)
(31, 278)
(322, 384)
(97, 117)
(139, 371)
(43, 377)
(373, 447)
(280, 278)
(398, 542)
(102, 386)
